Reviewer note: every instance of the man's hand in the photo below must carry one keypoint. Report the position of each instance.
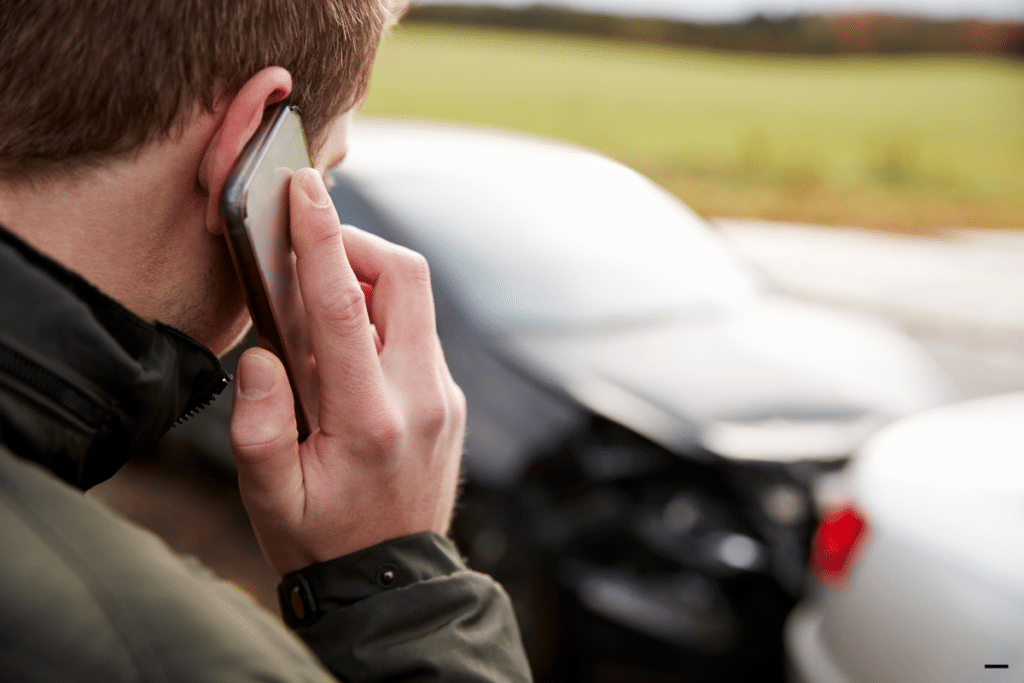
(384, 462)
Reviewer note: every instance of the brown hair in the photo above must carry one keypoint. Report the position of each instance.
(84, 80)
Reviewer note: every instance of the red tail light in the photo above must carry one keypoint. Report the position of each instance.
(834, 543)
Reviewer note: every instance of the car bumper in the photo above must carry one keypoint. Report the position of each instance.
(808, 659)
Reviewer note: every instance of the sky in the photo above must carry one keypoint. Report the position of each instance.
(724, 10)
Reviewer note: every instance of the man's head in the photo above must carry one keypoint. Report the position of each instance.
(120, 121)
(84, 80)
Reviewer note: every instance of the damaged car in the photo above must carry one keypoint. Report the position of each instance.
(647, 419)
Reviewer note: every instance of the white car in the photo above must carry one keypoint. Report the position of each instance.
(921, 571)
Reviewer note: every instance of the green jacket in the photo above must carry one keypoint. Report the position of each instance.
(87, 596)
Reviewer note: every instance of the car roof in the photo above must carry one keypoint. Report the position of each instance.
(952, 479)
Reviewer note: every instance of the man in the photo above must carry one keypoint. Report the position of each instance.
(119, 123)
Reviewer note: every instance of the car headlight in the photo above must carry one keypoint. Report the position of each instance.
(699, 532)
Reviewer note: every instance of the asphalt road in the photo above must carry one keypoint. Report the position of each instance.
(961, 294)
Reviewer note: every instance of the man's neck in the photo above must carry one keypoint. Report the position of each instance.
(109, 223)
(136, 229)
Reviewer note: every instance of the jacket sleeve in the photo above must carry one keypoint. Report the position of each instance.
(406, 609)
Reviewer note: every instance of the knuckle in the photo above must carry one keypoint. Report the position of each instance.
(325, 235)
(384, 433)
(434, 416)
(256, 442)
(459, 404)
(412, 266)
(345, 307)
(443, 409)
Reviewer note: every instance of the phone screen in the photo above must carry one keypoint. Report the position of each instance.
(255, 201)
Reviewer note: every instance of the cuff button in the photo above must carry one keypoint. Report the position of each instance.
(298, 605)
(386, 576)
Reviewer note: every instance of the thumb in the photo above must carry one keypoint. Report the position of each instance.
(264, 437)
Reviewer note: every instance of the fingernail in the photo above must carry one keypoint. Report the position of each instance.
(313, 184)
(255, 375)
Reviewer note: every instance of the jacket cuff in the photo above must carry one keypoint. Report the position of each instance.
(307, 594)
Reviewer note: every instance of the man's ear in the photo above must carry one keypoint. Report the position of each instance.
(242, 117)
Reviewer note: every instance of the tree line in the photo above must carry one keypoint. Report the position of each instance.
(860, 33)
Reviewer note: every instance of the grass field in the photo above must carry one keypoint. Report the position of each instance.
(911, 143)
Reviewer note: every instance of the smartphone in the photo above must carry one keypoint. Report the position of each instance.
(255, 203)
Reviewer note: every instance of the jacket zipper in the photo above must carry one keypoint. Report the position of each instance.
(64, 394)
(200, 405)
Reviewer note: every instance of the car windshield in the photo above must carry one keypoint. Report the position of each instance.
(580, 241)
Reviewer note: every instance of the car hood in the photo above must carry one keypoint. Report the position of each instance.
(778, 380)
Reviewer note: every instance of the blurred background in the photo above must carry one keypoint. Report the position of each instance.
(871, 119)
(862, 155)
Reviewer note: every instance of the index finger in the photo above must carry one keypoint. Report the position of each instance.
(351, 380)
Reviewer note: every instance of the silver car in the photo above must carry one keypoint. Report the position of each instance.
(921, 568)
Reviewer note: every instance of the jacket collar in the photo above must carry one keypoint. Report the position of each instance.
(84, 382)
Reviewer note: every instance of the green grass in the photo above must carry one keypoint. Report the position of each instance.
(901, 142)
